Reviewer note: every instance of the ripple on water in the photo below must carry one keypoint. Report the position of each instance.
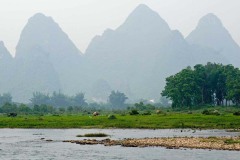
(27, 144)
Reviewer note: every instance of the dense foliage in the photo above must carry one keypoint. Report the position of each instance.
(154, 121)
(58, 99)
(117, 99)
(212, 84)
(5, 98)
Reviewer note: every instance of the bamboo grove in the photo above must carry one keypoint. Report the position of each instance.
(212, 84)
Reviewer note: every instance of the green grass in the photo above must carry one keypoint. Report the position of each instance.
(231, 141)
(93, 135)
(162, 121)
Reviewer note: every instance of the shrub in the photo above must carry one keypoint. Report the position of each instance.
(93, 135)
(146, 113)
(236, 113)
(189, 112)
(206, 112)
(134, 112)
(211, 112)
(122, 114)
(231, 141)
(112, 117)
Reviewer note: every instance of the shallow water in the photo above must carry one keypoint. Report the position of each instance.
(27, 144)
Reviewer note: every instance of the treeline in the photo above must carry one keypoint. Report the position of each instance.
(25, 109)
(116, 100)
(5, 98)
(41, 103)
(137, 108)
(9, 108)
(58, 102)
(49, 104)
(212, 84)
(58, 99)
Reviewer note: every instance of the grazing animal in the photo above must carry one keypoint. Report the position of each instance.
(158, 111)
(12, 115)
(95, 114)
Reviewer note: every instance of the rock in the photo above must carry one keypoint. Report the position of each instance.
(49, 140)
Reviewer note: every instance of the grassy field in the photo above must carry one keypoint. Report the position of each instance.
(161, 121)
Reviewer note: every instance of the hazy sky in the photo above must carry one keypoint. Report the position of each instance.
(83, 19)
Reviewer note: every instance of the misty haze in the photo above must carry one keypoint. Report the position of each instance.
(134, 59)
(182, 88)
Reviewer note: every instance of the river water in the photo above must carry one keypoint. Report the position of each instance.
(27, 144)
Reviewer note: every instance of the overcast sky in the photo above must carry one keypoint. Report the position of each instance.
(83, 19)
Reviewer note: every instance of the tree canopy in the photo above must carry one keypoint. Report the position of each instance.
(211, 84)
(117, 99)
(58, 99)
(5, 98)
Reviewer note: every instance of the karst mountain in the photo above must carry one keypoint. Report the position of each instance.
(135, 58)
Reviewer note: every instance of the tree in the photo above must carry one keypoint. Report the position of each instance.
(164, 102)
(9, 108)
(117, 99)
(233, 85)
(143, 107)
(24, 109)
(40, 98)
(43, 109)
(5, 98)
(204, 85)
(79, 100)
(182, 89)
(60, 100)
(62, 109)
(70, 109)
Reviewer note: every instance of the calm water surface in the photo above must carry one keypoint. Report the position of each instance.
(27, 144)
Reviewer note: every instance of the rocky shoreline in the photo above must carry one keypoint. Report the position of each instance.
(213, 143)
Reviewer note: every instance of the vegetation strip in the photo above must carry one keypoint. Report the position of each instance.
(93, 135)
(215, 143)
(161, 121)
(213, 84)
(170, 120)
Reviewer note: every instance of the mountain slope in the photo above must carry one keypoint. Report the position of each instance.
(122, 56)
(134, 59)
(42, 34)
(6, 61)
(33, 74)
(138, 56)
(4, 53)
(211, 33)
(46, 59)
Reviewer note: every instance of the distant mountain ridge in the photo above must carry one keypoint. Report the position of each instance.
(211, 33)
(43, 35)
(134, 59)
(141, 53)
(45, 59)
(4, 53)
(5, 68)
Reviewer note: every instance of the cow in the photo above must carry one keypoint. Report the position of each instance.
(12, 115)
(95, 114)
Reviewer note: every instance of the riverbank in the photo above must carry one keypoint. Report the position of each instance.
(212, 143)
(154, 121)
